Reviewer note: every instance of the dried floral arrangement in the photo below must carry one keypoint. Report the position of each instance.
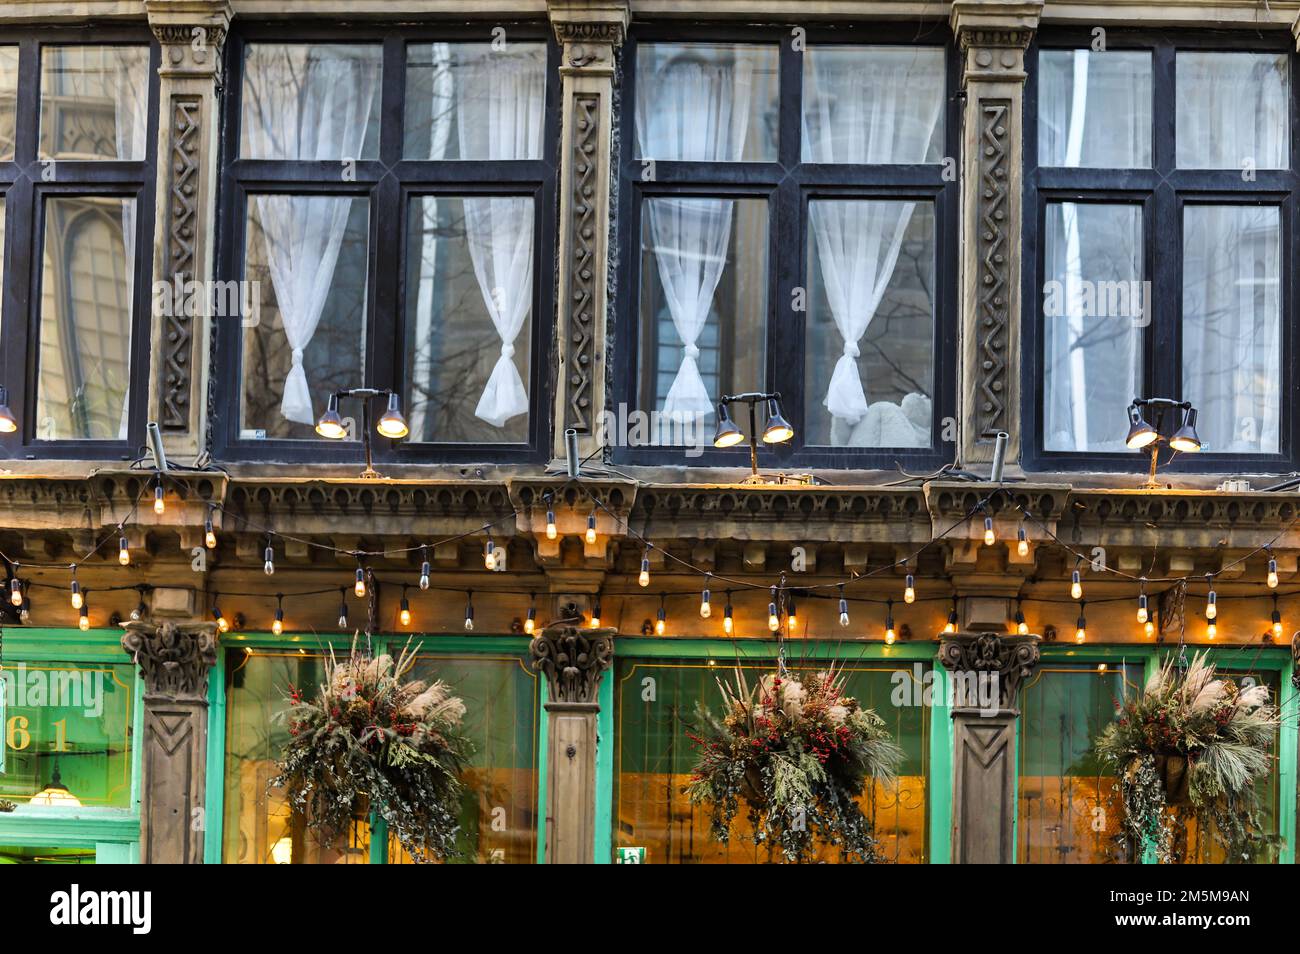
(799, 752)
(1197, 744)
(369, 738)
(7, 806)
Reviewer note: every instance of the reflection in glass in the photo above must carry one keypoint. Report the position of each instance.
(8, 99)
(869, 334)
(654, 759)
(1232, 325)
(470, 101)
(1096, 307)
(468, 324)
(1094, 109)
(307, 258)
(703, 318)
(310, 101)
(873, 104)
(706, 102)
(87, 294)
(94, 102)
(1233, 110)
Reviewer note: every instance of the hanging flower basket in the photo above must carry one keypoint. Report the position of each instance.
(798, 752)
(1195, 743)
(369, 738)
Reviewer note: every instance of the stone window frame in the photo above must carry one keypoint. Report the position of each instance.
(1161, 191)
(388, 181)
(788, 184)
(25, 189)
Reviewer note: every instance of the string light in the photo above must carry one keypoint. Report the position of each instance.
(791, 613)
(990, 537)
(591, 527)
(223, 624)
(1076, 584)
(343, 609)
(159, 507)
(661, 618)
(773, 620)
(1149, 628)
(404, 609)
(1081, 627)
(277, 624)
(844, 608)
(469, 611)
(424, 568)
(644, 578)
(1277, 619)
(595, 613)
(490, 554)
(1022, 544)
(359, 587)
(1211, 600)
(727, 623)
(16, 589)
(951, 625)
(890, 636)
(551, 531)
(1022, 628)
(209, 535)
(123, 554)
(909, 589)
(1272, 571)
(75, 588)
(268, 557)
(83, 622)
(706, 610)
(1143, 615)
(530, 622)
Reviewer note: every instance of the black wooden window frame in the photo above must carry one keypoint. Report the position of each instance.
(25, 194)
(788, 184)
(389, 182)
(1162, 192)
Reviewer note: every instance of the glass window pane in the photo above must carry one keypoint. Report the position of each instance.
(306, 259)
(869, 334)
(1232, 325)
(1094, 109)
(67, 734)
(87, 294)
(703, 318)
(469, 318)
(471, 101)
(1070, 810)
(1096, 306)
(873, 104)
(310, 101)
(706, 102)
(654, 758)
(1233, 110)
(94, 102)
(8, 99)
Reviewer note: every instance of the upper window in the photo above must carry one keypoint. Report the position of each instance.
(741, 152)
(388, 200)
(1159, 247)
(76, 170)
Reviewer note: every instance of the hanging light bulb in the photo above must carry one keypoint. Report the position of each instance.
(727, 623)
(1149, 628)
(773, 620)
(990, 537)
(1022, 545)
(706, 610)
(1211, 602)
(661, 618)
(343, 609)
(75, 589)
(530, 621)
(909, 590)
(595, 613)
(359, 587)
(791, 614)
(490, 554)
(83, 622)
(404, 609)
(1022, 628)
(1211, 629)
(1272, 572)
(424, 569)
(1143, 613)
(1277, 620)
(951, 625)
(551, 531)
(890, 635)
(277, 624)
(844, 608)
(16, 589)
(123, 554)
(223, 624)
(591, 527)
(644, 578)
(268, 558)
(469, 611)
(1076, 585)
(1081, 627)
(209, 535)
(159, 507)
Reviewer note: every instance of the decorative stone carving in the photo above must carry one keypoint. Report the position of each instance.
(1295, 655)
(584, 229)
(993, 248)
(174, 658)
(1012, 659)
(573, 660)
(182, 218)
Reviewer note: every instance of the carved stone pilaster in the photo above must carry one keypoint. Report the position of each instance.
(988, 670)
(191, 34)
(573, 660)
(174, 659)
(1295, 657)
(590, 33)
(993, 35)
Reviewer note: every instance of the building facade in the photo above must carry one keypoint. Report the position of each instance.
(952, 258)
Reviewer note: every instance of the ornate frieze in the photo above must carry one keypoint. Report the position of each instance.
(1007, 660)
(174, 658)
(573, 660)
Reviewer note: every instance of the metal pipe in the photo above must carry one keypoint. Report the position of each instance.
(571, 452)
(999, 456)
(156, 445)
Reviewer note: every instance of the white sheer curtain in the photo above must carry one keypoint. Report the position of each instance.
(309, 103)
(878, 110)
(500, 107)
(126, 68)
(1114, 91)
(1233, 110)
(1232, 325)
(693, 110)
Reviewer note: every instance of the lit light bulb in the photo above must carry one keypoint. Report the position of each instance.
(404, 612)
(909, 590)
(1143, 614)
(591, 528)
(223, 624)
(277, 625)
(990, 537)
(844, 609)
(158, 505)
(530, 623)
(343, 619)
(76, 594)
(1212, 605)
(644, 578)
(123, 554)
(706, 609)
(791, 614)
(595, 615)
(83, 623)
(209, 535)
(490, 555)
(890, 635)
(1272, 573)
(359, 587)
(1076, 586)
(727, 623)
(1081, 628)
(1022, 545)
(1022, 628)
(551, 531)
(16, 591)
(661, 621)
(951, 625)
(1149, 628)
(1277, 624)
(1211, 629)
(469, 615)
(773, 621)
(268, 557)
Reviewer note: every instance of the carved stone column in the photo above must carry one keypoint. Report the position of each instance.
(590, 32)
(992, 35)
(573, 660)
(174, 659)
(987, 670)
(191, 34)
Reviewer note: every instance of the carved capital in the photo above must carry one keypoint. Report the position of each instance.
(174, 658)
(993, 36)
(573, 660)
(191, 34)
(590, 31)
(1009, 659)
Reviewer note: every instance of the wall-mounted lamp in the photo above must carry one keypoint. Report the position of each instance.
(391, 424)
(777, 430)
(1145, 431)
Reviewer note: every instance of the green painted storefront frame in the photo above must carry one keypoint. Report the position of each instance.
(114, 833)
